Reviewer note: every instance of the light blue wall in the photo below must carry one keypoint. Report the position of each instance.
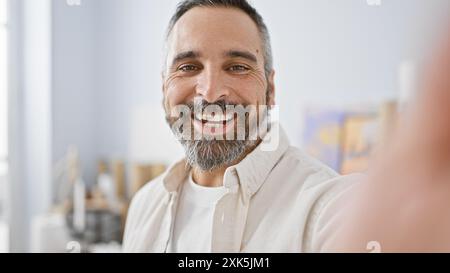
(73, 81)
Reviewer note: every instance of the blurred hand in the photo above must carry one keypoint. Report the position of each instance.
(405, 203)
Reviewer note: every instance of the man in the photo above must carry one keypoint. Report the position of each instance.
(227, 195)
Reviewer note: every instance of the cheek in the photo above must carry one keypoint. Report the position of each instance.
(178, 91)
(249, 89)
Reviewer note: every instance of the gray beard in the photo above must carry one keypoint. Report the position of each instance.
(209, 155)
(212, 154)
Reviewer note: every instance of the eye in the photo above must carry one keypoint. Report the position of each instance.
(188, 68)
(238, 68)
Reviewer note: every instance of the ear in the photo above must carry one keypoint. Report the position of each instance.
(271, 89)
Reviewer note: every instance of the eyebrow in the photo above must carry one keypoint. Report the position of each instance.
(241, 54)
(185, 55)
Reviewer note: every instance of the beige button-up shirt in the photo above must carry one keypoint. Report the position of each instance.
(274, 203)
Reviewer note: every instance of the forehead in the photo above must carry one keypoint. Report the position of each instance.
(215, 29)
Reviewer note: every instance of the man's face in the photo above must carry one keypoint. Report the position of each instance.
(215, 57)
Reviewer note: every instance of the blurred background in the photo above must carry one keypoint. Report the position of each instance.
(81, 122)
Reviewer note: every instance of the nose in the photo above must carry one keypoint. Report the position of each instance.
(210, 86)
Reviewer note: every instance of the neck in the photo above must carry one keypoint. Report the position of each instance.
(209, 178)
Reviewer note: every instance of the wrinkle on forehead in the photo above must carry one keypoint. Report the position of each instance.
(213, 30)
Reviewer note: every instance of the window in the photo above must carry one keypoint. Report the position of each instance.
(3, 123)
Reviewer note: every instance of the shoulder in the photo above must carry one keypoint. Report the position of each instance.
(144, 201)
(153, 189)
(318, 179)
(142, 208)
(321, 190)
(298, 163)
(151, 200)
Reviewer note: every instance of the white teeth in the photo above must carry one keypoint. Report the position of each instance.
(215, 118)
(215, 125)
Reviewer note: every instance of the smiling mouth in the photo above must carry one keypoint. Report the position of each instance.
(213, 124)
(213, 118)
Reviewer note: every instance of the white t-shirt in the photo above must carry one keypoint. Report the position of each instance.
(192, 230)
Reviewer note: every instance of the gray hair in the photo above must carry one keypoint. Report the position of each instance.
(243, 5)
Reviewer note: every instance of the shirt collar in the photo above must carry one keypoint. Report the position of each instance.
(252, 171)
